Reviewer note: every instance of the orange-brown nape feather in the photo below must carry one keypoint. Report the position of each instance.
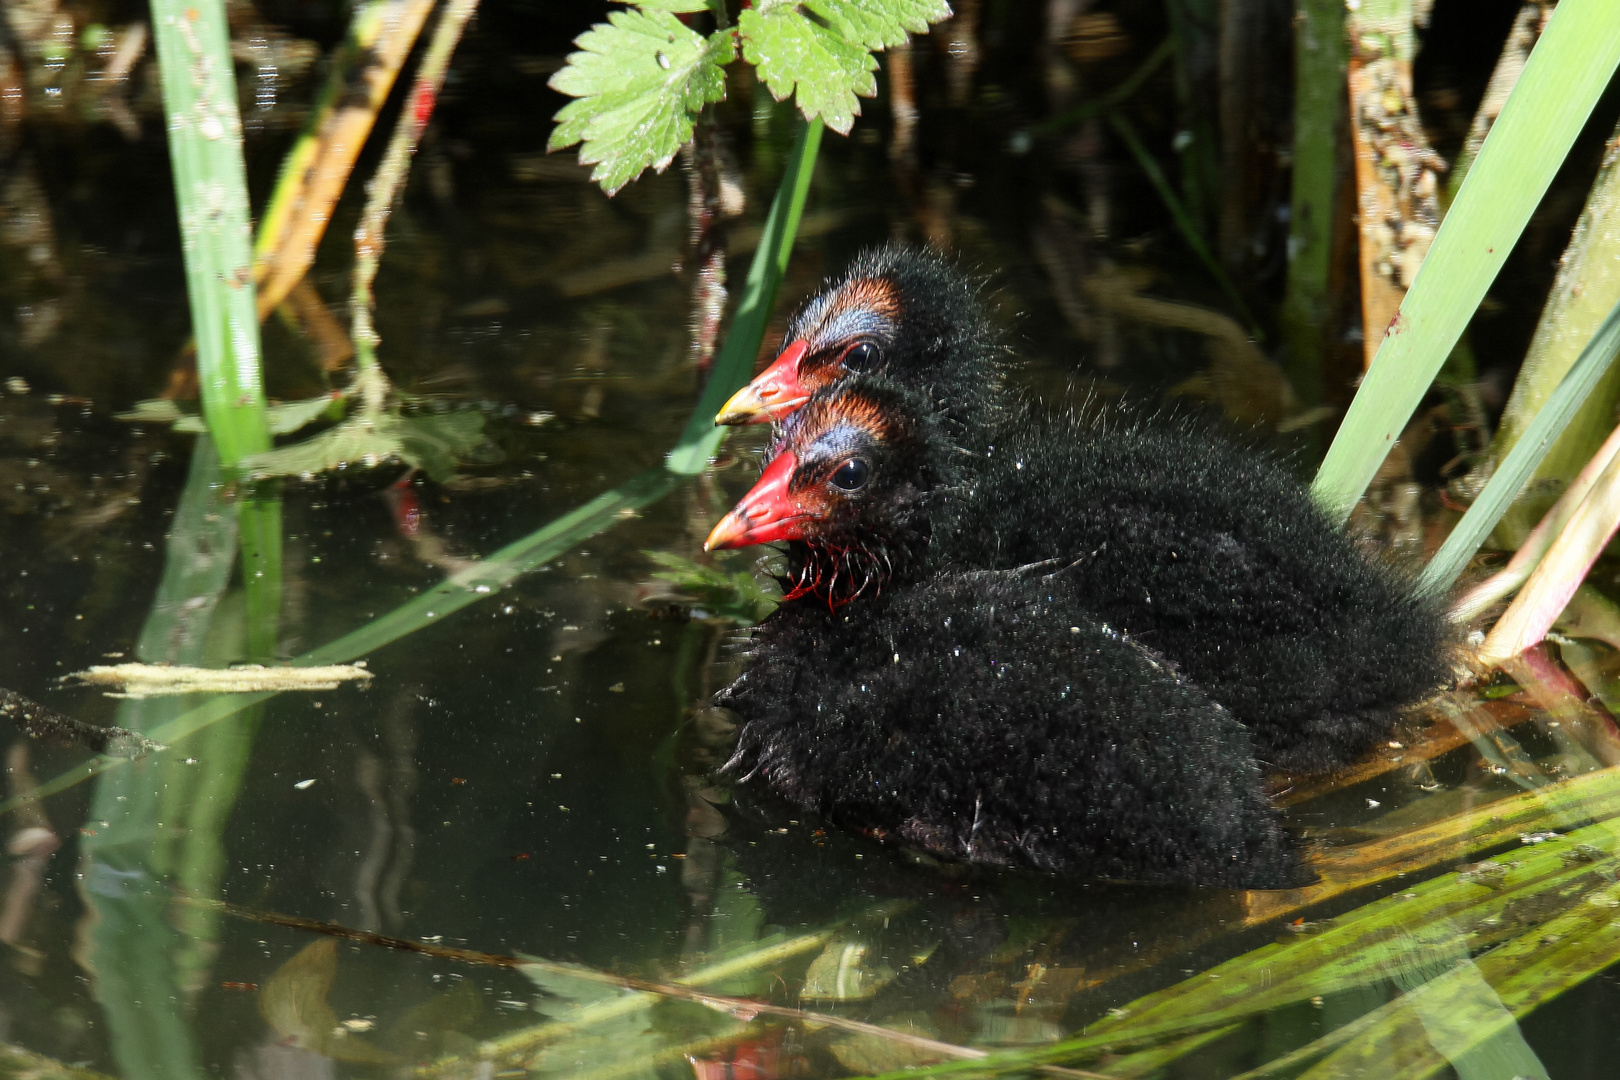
(853, 307)
(853, 409)
(876, 295)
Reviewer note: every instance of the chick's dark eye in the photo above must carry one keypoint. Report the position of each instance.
(861, 356)
(851, 475)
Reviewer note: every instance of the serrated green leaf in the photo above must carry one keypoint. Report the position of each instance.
(827, 59)
(283, 419)
(879, 24)
(286, 417)
(435, 443)
(793, 53)
(640, 78)
(353, 442)
(152, 411)
(612, 1026)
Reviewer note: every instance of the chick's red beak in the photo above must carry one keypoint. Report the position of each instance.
(768, 512)
(774, 393)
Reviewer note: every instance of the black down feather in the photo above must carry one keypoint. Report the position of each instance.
(1214, 557)
(980, 716)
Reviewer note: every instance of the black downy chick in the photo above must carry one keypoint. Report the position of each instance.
(977, 715)
(1209, 553)
(903, 315)
(1213, 556)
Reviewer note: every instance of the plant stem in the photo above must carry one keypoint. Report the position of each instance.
(259, 517)
(210, 182)
(735, 362)
(370, 234)
(1527, 453)
(316, 169)
(1319, 66)
(1195, 26)
(1117, 96)
(1587, 286)
(1178, 213)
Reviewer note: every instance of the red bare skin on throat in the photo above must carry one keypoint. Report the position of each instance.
(795, 499)
(842, 569)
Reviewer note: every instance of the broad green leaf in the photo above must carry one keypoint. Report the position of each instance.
(794, 53)
(639, 78)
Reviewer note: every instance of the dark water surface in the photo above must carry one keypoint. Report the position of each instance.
(529, 775)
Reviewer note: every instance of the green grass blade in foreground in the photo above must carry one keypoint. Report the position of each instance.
(210, 188)
(1357, 947)
(1521, 462)
(734, 365)
(732, 369)
(1568, 70)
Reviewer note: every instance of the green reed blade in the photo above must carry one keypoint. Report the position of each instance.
(210, 187)
(1582, 293)
(1527, 452)
(1554, 878)
(142, 959)
(1569, 68)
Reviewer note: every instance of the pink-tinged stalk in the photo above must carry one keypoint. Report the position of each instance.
(1535, 546)
(1563, 698)
(1574, 548)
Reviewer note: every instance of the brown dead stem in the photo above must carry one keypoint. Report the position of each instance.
(1397, 173)
(317, 169)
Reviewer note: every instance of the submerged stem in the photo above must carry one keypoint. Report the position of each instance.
(369, 235)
